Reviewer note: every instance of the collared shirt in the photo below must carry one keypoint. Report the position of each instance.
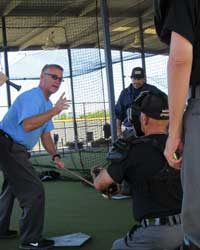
(28, 104)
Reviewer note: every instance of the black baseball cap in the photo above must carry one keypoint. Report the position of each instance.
(152, 103)
(137, 73)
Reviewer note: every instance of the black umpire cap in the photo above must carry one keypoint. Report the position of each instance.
(137, 73)
(152, 103)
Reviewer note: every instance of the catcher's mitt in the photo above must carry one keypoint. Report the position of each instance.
(113, 189)
(95, 171)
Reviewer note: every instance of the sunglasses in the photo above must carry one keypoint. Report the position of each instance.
(54, 77)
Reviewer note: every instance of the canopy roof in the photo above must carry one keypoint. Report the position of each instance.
(36, 24)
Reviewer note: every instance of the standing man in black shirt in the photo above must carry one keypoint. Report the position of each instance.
(178, 25)
(126, 98)
(145, 169)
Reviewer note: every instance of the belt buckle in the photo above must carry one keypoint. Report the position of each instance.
(144, 222)
(157, 222)
(168, 220)
(148, 222)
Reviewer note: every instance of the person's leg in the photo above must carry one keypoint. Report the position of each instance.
(151, 238)
(191, 173)
(28, 189)
(6, 206)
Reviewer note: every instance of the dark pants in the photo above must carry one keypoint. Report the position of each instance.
(163, 237)
(22, 182)
(6, 205)
(191, 171)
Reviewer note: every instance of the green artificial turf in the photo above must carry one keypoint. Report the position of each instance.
(73, 207)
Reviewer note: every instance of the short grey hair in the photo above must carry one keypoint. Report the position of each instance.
(47, 66)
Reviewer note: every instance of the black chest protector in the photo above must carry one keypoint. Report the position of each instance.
(164, 187)
(120, 148)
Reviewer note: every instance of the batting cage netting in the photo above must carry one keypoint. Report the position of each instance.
(70, 33)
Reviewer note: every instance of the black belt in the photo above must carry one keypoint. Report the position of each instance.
(194, 92)
(169, 220)
(2, 133)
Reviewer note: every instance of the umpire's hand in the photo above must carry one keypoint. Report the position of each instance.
(59, 163)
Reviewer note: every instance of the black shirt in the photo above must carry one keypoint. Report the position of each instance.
(143, 162)
(182, 17)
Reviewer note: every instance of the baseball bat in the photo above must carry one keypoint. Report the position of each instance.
(4, 79)
(17, 87)
(79, 177)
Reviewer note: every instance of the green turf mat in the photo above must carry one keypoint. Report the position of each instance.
(72, 207)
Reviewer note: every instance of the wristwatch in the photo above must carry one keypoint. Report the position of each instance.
(56, 155)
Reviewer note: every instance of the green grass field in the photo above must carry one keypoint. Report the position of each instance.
(73, 207)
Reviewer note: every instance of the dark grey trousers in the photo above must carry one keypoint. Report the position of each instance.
(22, 182)
(191, 172)
(6, 205)
(151, 238)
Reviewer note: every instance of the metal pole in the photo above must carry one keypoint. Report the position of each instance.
(142, 43)
(122, 68)
(109, 70)
(85, 123)
(63, 151)
(65, 133)
(73, 100)
(5, 48)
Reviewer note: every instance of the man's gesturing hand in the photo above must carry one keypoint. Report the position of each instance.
(61, 104)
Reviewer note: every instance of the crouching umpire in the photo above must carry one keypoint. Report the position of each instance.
(28, 119)
(156, 188)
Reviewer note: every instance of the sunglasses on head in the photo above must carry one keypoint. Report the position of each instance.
(55, 77)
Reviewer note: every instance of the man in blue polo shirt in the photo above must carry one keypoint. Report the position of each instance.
(126, 99)
(27, 120)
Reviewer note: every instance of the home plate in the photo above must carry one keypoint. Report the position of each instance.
(71, 240)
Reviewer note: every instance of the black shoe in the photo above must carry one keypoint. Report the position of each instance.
(40, 245)
(9, 234)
